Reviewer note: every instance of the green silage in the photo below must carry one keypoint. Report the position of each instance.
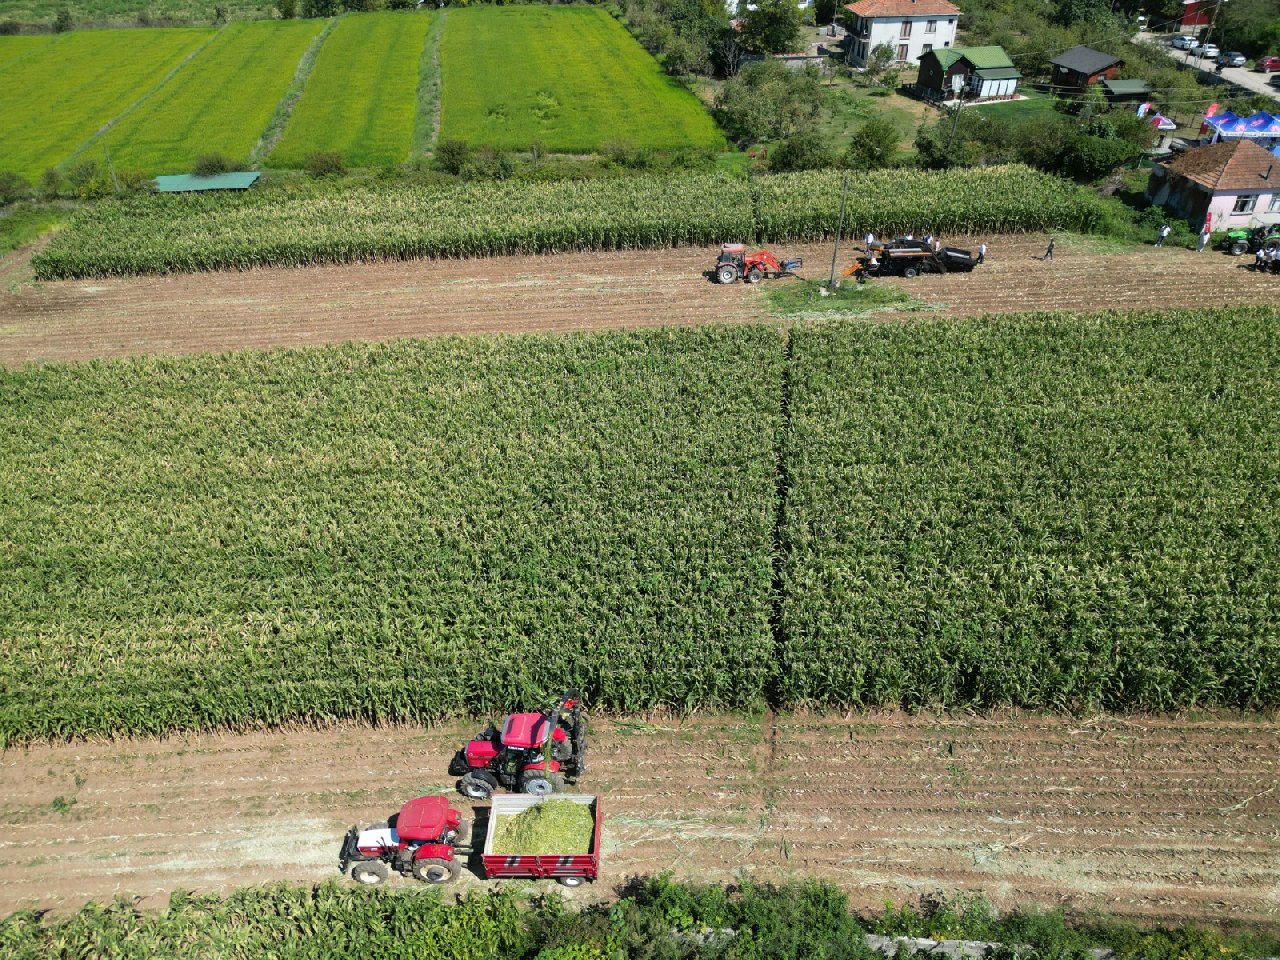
(553, 826)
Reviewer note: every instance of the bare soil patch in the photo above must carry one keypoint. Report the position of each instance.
(76, 320)
(1145, 817)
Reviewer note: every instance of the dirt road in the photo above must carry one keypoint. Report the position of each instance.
(76, 320)
(1142, 817)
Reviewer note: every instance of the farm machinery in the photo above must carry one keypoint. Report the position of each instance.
(735, 263)
(909, 258)
(423, 839)
(537, 753)
(1242, 240)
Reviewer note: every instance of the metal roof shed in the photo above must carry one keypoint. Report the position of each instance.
(191, 184)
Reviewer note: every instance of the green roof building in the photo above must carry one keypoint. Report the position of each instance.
(981, 73)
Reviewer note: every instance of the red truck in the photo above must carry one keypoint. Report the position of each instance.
(570, 869)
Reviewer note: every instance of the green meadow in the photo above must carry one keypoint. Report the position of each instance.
(569, 78)
(360, 100)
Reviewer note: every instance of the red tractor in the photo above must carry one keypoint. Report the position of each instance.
(534, 753)
(734, 262)
(423, 839)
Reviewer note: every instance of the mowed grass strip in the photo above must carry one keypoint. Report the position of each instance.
(387, 531)
(63, 91)
(1047, 511)
(220, 102)
(569, 78)
(361, 98)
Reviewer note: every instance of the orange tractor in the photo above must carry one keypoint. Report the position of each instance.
(734, 263)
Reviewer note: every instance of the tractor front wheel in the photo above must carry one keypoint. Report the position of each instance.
(434, 870)
(370, 872)
(909, 272)
(1239, 248)
(727, 273)
(541, 785)
(754, 275)
(476, 787)
(570, 881)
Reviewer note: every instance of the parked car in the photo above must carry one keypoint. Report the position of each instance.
(1267, 64)
(1184, 42)
(1233, 59)
(1204, 50)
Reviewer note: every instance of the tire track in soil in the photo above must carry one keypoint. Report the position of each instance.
(77, 320)
(1153, 818)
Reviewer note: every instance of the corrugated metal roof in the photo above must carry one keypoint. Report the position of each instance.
(1126, 87)
(222, 181)
(985, 58)
(945, 56)
(999, 73)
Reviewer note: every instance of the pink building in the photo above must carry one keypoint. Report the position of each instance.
(1229, 184)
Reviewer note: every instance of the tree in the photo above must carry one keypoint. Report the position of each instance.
(772, 27)
(804, 151)
(319, 8)
(731, 52)
(879, 68)
(62, 22)
(874, 146)
(288, 9)
(1068, 12)
(769, 101)
(824, 12)
(13, 188)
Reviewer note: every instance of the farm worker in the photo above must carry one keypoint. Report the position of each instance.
(1204, 240)
(928, 238)
(869, 239)
(1260, 259)
(1048, 254)
(909, 237)
(1164, 232)
(982, 252)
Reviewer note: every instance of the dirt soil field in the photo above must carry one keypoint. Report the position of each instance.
(1153, 818)
(76, 320)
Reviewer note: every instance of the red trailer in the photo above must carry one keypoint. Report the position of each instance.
(569, 869)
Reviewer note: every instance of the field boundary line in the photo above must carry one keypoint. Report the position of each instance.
(106, 127)
(430, 86)
(292, 94)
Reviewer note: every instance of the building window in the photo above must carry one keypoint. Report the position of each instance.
(927, 48)
(902, 51)
(931, 26)
(906, 30)
(1275, 204)
(1244, 204)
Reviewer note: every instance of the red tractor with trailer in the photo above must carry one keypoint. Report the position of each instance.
(537, 753)
(423, 839)
(734, 263)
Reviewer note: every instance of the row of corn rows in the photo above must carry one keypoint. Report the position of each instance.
(169, 234)
(1045, 511)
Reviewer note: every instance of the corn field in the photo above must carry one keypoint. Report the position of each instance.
(1050, 511)
(387, 532)
(171, 234)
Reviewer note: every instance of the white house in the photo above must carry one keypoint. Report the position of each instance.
(1230, 184)
(908, 27)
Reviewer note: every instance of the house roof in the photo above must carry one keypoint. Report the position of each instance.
(1085, 60)
(1229, 165)
(999, 73)
(1126, 88)
(985, 58)
(903, 8)
(945, 56)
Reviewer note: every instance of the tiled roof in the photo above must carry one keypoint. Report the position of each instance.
(1230, 165)
(903, 8)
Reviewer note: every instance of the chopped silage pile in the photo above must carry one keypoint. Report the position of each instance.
(553, 826)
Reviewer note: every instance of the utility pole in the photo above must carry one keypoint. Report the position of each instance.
(111, 167)
(844, 193)
(955, 122)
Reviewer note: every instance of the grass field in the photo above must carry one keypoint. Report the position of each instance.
(221, 101)
(361, 98)
(87, 13)
(384, 531)
(569, 78)
(13, 49)
(65, 89)
(24, 222)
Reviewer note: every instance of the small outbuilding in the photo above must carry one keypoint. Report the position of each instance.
(1080, 67)
(984, 73)
(1126, 91)
(1230, 184)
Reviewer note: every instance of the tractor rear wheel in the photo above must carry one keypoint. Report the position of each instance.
(541, 784)
(570, 881)
(370, 872)
(1239, 247)
(727, 273)
(434, 870)
(476, 787)
(754, 275)
(909, 272)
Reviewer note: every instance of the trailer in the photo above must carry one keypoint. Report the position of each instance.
(570, 869)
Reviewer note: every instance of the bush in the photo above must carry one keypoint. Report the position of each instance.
(62, 22)
(623, 153)
(210, 165)
(82, 173)
(319, 8)
(325, 163)
(13, 188)
(50, 183)
(874, 146)
(8, 28)
(452, 156)
(804, 151)
(288, 9)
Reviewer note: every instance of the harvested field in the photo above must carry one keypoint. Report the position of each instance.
(1143, 817)
(77, 320)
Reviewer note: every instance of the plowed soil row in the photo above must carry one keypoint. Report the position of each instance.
(76, 320)
(1151, 818)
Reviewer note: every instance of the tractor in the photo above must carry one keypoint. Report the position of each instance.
(909, 258)
(1242, 240)
(535, 753)
(423, 839)
(735, 263)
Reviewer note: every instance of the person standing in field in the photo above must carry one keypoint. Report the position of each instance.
(869, 239)
(1164, 232)
(1204, 240)
(1260, 259)
(982, 252)
(1048, 254)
